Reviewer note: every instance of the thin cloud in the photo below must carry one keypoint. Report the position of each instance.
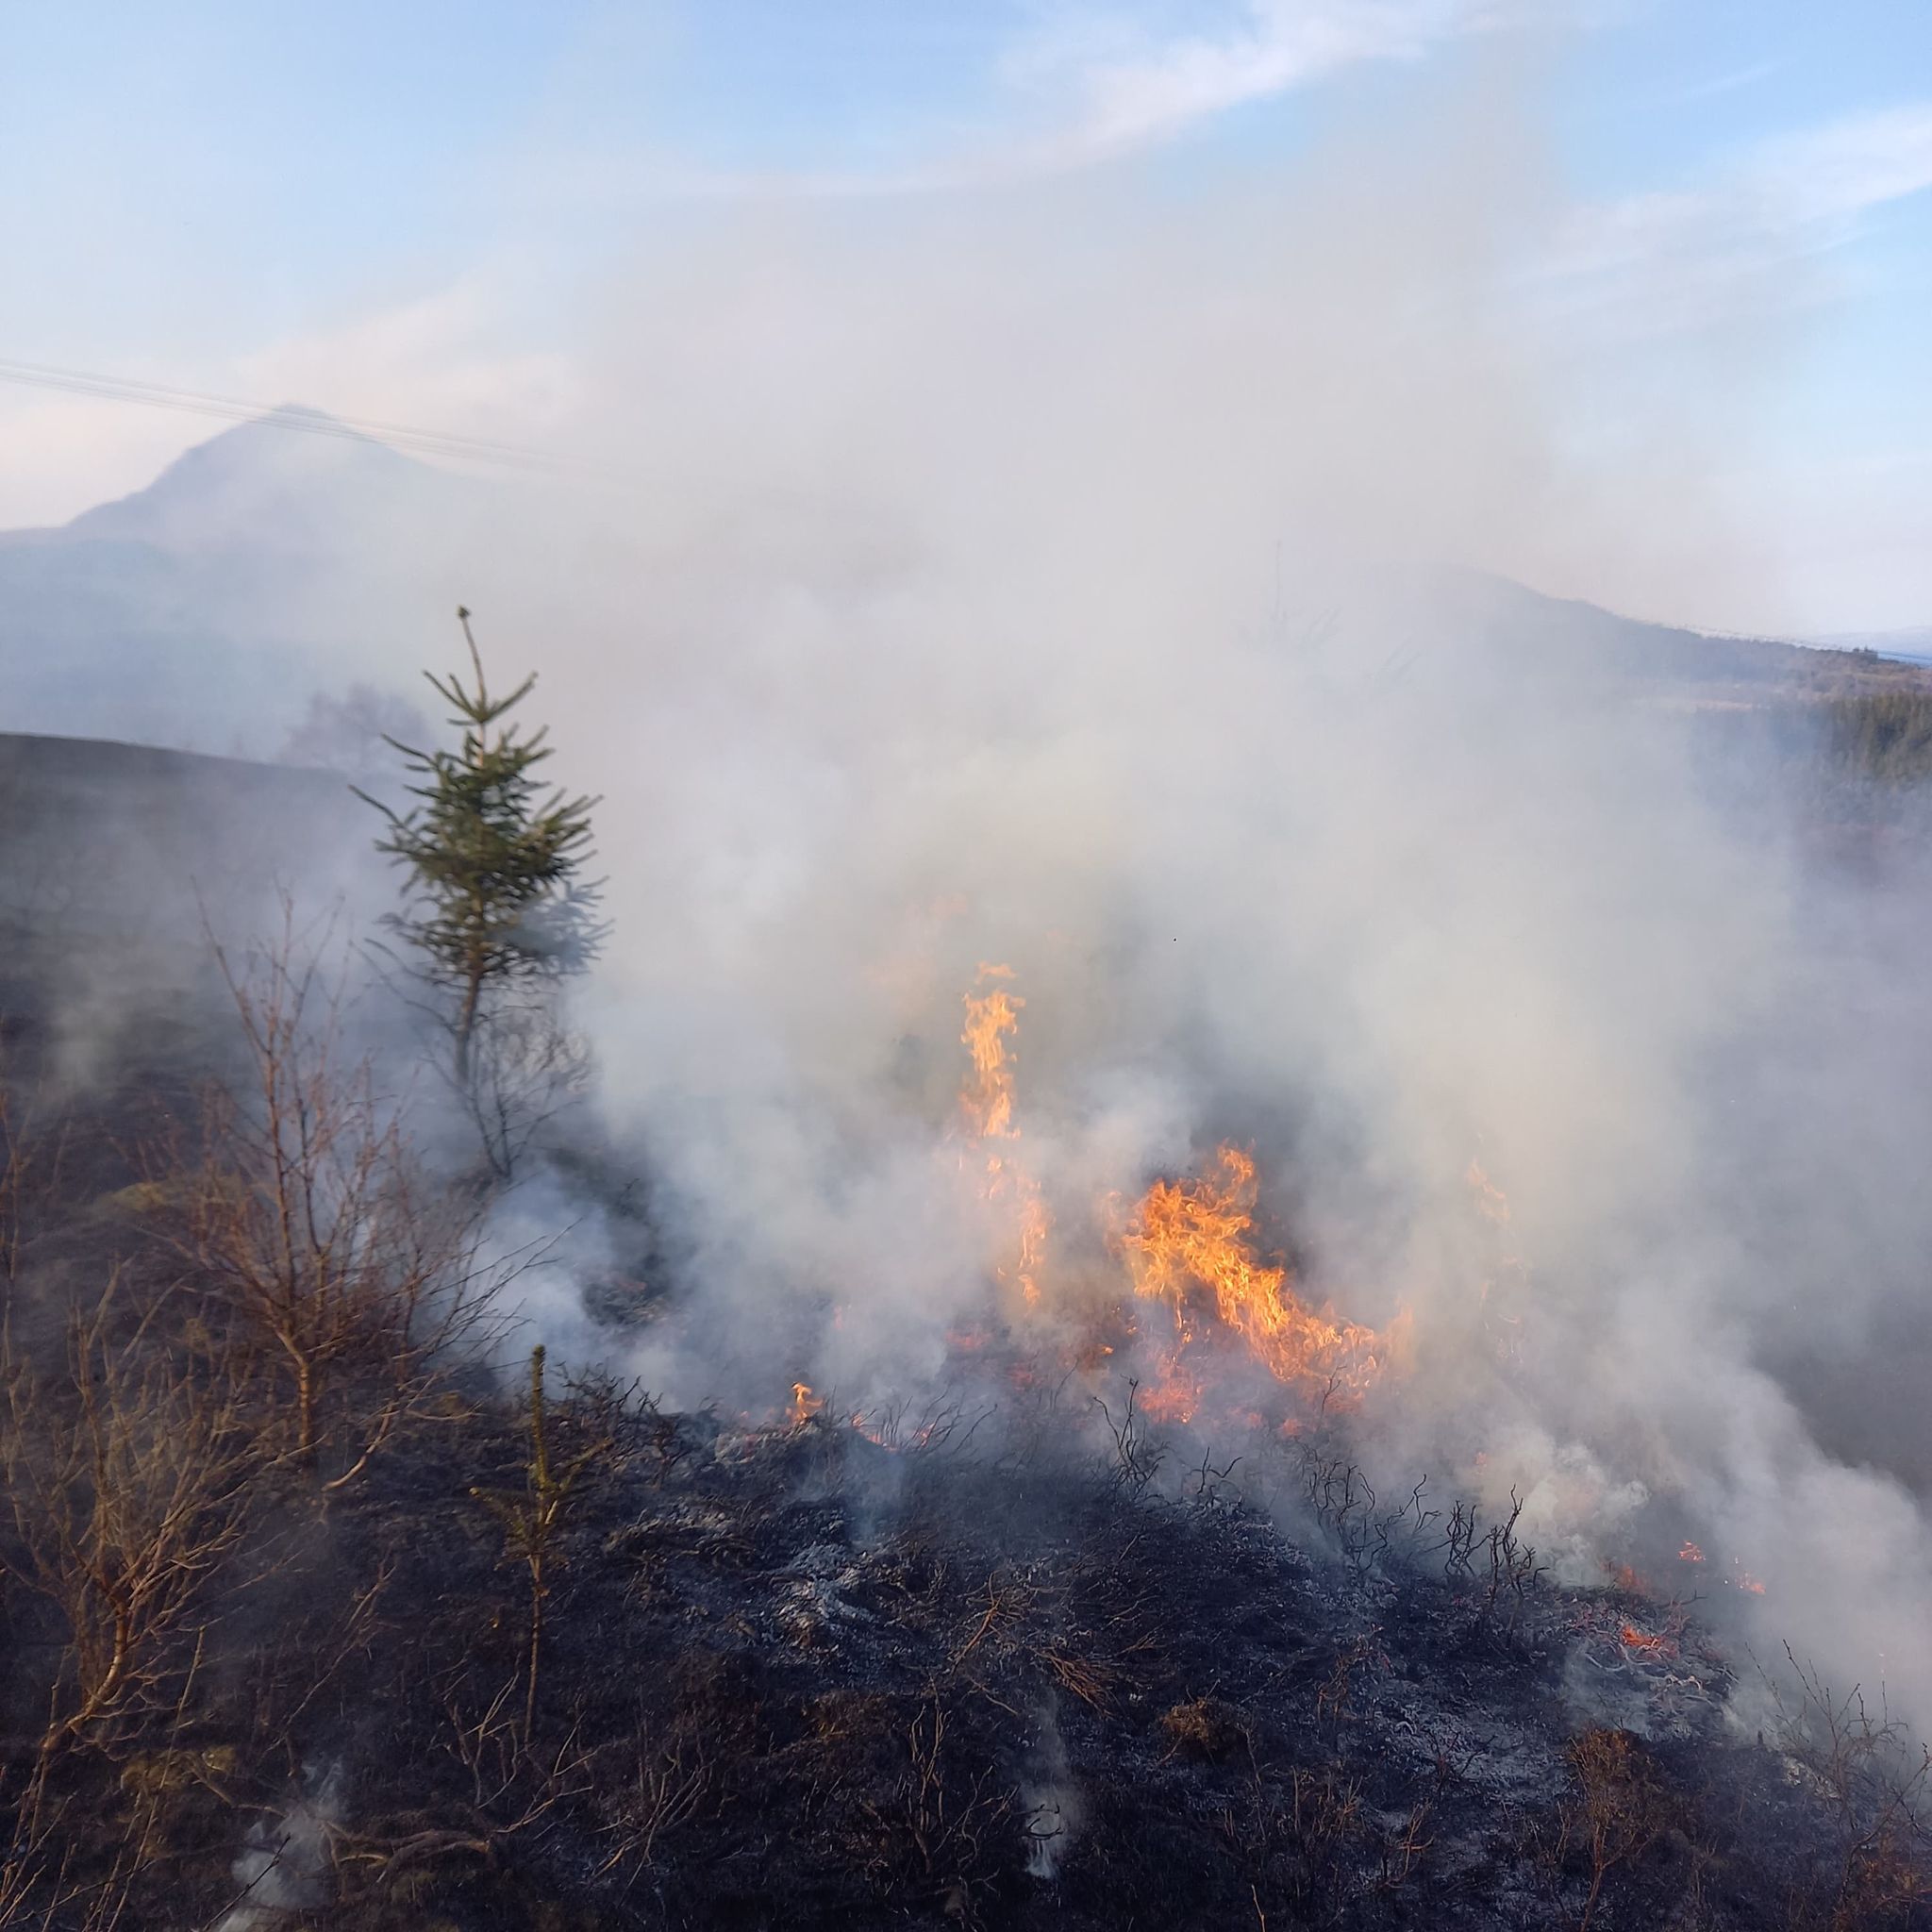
(1713, 86)
(1660, 263)
(1120, 97)
(1843, 169)
(1092, 87)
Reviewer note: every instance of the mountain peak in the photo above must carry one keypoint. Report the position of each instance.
(302, 419)
(295, 471)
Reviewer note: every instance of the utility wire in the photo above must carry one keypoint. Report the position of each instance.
(427, 442)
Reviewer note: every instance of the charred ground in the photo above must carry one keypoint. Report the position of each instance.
(790, 1676)
(1012, 1660)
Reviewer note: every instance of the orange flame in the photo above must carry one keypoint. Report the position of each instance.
(1191, 1245)
(1176, 1391)
(989, 1017)
(1505, 1293)
(1491, 1203)
(988, 1104)
(805, 1404)
(1034, 1225)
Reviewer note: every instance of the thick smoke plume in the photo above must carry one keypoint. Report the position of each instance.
(1037, 585)
(1005, 590)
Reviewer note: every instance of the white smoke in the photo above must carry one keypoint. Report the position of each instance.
(1004, 577)
(282, 1867)
(999, 584)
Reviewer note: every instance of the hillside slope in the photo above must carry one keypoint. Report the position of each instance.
(272, 562)
(203, 610)
(1017, 1659)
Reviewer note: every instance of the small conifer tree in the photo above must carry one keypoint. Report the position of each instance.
(495, 902)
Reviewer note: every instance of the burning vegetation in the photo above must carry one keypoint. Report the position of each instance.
(1190, 1245)
(993, 1015)
(330, 1602)
(1198, 1299)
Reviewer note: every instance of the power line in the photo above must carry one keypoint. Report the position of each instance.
(427, 442)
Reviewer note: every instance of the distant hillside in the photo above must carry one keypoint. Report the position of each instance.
(1526, 631)
(1907, 646)
(113, 858)
(266, 566)
(97, 837)
(205, 609)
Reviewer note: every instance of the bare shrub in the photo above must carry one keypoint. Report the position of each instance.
(1509, 1571)
(1458, 1540)
(1332, 1701)
(128, 1484)
(1875, 1781)
(524, 1066)
(1402, 1852)
(1618, 1810)
(1009, 1601)
(319, 1246)
(1214, 1491)
(1513, 1570)
(29, 1178)
(1205, 1730)
(668, 1788)
(351, 733)
(1137, 1453)
(47, 1881)
(532, 1521)
(944, 1834)
(501, 1791)
(1301, 1835)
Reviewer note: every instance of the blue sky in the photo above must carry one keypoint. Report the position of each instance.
(187, 189)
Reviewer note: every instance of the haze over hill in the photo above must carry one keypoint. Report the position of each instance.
(1172, 1190)
(1409, 863)
(287, 556)
(203, 610)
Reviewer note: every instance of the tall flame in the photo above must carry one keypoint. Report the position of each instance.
(1491, 1203)
(991, 1015)
(1191, 1245)
(1504, 1292)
